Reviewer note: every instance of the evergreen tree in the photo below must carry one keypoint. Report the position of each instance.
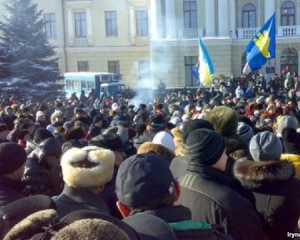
(27, 59)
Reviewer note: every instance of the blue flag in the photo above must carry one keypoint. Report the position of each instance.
(262, 47)
(195, 73)
(206, 68)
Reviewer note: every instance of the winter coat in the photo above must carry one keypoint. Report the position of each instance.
(216, 197)
(276, 191)
(10, 190)
(73, 199)
(179, 219)
(30, 146)
(294, 159)
(40, 178)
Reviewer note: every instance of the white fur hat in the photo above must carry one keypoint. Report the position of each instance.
(87, 167)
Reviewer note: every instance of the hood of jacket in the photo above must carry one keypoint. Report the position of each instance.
(263, 175)
(50, 146)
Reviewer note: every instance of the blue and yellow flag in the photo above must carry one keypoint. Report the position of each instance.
(262, 47)
(206, 68)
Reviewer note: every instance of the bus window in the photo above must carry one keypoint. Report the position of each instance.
(84, 85)
(105, 78)
(76, 84)
(90, 85)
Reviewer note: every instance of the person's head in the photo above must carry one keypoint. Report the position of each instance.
(19, 123)
(40, 116)
(48, 152)
(3, 131)
(265, 146)
(145, 182)
(291, 141)
(41, 134)
(192, 125)
(245, 132)
(12, 161)
(205, 147)
(88, 167)
(113, 142)
(26, 112)
(97, 121)
(285, 121)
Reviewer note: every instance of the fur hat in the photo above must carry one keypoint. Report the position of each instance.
(91, 229)
(87, 167)
(74, 133)
(159, 149)
(224, 120)
(265, 146)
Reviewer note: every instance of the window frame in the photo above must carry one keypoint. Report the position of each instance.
(80, 20)
(111, 23)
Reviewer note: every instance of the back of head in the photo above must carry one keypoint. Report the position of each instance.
(204, 147)
(166, 139)
(286, 121)
(41, 134)
(91, 229)
(265, 146)
(74, 133)
(291, 141)
(245, 132)
(143, 180)
(224, 120)
(159, 149)
(193, 125)
(87, 167)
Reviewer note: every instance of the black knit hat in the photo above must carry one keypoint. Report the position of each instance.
(41, 134)
(204, 147)
(12, 157)
(189, 127)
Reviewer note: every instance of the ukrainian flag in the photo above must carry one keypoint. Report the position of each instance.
(206, 68)
(262, 47)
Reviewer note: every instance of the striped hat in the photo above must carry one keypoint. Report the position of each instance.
(204, 147)
(245, 131)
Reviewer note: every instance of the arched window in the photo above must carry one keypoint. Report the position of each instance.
(288, 61)
(249, 16)
(288, 14)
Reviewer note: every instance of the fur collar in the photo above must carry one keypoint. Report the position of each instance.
(254, 175)
(234, 143)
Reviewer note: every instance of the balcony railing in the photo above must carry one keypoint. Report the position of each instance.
(140, 40)
(190, 33)
(282, 31)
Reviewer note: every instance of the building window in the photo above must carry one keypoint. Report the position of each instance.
(83, 66)
(190, 14)
(189, 63)
(80, 24)
(141, 22)
(288, 14)
(113, 66)
(249, 16)
(111, 23)
(144, 71)
(50, 25)
(288, 61)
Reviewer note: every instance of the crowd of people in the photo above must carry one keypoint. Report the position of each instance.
(220, 163)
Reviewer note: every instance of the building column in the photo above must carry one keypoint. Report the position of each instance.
(71, 30)
(232, 19)
(269, 8)
(156, 19)
(170, 19)
(259, 13)
(210, 24)
(132, 25)
(223, 18)
(89, 26)
(298, 11)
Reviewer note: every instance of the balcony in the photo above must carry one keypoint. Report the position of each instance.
(140, 40)
(190, 33)
(79, 42)
(282, 31)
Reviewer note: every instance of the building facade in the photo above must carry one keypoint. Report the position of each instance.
(148, 40)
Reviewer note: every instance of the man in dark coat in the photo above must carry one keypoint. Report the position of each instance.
(145, 185)
(42, 170)
(212, 194)
(12, 160)
(85, 173)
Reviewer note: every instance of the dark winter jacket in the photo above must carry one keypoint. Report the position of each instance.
(179, 219)
(39, 177)
(216, 197)
(276, 191)
(30, 146)
(10, 190)
(73, 199)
